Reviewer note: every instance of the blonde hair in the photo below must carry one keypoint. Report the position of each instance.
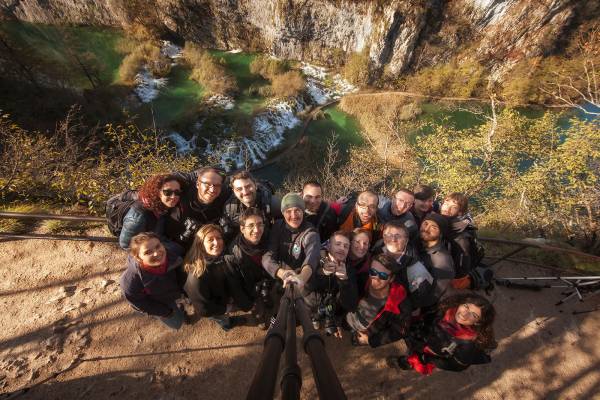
(195, 260)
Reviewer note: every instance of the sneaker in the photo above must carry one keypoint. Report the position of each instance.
(398, 363)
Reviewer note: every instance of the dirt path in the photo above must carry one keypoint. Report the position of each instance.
(62, 311)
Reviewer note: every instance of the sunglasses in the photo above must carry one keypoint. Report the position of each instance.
(169, 192)
(384, 276)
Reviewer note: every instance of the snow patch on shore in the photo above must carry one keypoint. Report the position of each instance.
(323, 87)
(147, 86)
(220, 101)
(183, 145)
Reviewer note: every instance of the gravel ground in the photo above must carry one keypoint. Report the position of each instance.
(68, 334)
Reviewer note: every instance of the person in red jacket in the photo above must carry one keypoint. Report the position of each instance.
(460, 336)
(383, 315)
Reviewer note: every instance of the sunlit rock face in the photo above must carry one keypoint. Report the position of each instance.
(397, 34)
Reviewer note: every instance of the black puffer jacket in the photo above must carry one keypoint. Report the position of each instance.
(438, 261)
(345, 290)
(211, 292)
(246, 260)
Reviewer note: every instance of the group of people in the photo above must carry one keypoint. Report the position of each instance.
(373, 268)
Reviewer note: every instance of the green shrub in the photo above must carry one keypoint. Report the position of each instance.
(268, 67)
(289, 84)
(356, 69)
(143, 54)
(35, 167)
(208, 71)
(464, 79)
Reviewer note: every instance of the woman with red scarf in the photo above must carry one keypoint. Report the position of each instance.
(460, 336)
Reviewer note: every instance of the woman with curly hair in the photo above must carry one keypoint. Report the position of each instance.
(158, 195)
(212, 284)
(460, 336)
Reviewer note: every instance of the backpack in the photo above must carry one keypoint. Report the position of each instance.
(116, 209)
(482, 278)
(477, 250)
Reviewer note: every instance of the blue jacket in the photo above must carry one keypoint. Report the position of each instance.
(149, 293)
(137, 220)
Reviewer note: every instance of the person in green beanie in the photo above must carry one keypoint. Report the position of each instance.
(293, 250)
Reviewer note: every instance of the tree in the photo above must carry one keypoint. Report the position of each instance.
(580, 89)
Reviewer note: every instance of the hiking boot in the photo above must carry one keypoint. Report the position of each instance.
(398, 363)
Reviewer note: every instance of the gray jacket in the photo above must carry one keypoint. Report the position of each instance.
(291, 248)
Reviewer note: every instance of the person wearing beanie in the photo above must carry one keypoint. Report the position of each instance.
(293, 248)
(434, 252)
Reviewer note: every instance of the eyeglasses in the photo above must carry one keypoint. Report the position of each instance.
(384, 276)
(393, 237)
(210, 185)
(254, 226)
(371, 207)
(169, 192)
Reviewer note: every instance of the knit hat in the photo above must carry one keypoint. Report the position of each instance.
(292, 200)
(440, 220)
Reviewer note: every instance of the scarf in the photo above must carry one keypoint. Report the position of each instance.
(250, 249)
(449, 324)
(160, 270)
(349, 224)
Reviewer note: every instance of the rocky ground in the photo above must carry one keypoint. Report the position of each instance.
(68, 334)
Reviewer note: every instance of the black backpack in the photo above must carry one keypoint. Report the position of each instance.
(477, 249)
(116, 208)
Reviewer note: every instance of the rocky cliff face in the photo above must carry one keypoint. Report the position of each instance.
(397, 34)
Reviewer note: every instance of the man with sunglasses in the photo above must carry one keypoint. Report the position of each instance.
(247, 192)
(383, 314)
(398, 208)
(201, 203)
